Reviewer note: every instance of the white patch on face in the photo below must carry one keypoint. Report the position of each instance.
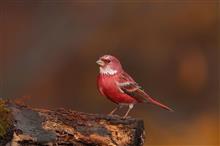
(107, 70)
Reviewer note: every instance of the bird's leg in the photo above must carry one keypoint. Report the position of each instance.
(115, 109)
(129, 109)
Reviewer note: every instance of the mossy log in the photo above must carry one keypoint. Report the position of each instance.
(31, 127)
(6, 123)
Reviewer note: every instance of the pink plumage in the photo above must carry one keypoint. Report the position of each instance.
(114, 83)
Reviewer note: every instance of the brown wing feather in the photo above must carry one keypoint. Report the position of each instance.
(135, 92)
(130, 87)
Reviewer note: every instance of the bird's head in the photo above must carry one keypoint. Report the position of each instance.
(109, 65)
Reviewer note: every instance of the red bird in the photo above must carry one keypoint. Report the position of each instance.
(114, 83)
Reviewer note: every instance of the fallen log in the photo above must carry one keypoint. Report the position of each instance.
(31, 127)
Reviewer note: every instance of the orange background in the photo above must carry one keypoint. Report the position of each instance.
(48, 51)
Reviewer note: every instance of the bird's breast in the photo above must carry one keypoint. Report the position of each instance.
(108, 87)
(107, 84)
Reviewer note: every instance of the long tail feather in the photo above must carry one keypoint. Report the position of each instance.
(151, 100)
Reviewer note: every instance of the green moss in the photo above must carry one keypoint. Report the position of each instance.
(5, 118)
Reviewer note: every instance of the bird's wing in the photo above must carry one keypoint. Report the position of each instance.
(128, 86)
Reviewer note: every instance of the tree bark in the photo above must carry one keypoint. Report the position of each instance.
(66, 127)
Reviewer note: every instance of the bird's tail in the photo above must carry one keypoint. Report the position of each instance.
(151, 100)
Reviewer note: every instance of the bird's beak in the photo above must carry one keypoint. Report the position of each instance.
(100, 62)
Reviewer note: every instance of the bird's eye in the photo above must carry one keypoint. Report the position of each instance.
(106, 60)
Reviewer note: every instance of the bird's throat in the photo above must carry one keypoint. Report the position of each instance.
(107, 70)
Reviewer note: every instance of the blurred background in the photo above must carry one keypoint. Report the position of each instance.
(48, 51)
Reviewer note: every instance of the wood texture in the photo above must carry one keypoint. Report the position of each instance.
(67, 127)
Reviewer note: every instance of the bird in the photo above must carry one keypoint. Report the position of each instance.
(119, 87)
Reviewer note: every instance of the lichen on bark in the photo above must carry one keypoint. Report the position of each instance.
(5, 118)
